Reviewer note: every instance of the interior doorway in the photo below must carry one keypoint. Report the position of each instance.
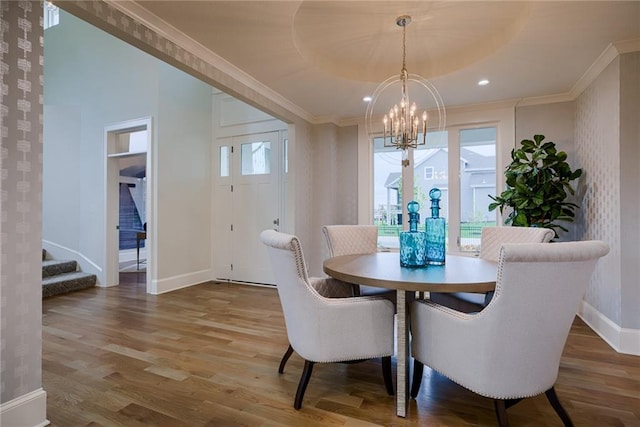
(132, 225)
(128, 236)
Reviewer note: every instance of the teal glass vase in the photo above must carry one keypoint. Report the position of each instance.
(413, 242)
(435, 228)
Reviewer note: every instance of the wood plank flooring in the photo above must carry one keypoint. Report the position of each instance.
(208, 356)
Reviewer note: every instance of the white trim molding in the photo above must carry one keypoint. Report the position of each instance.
(622, 340)
(29, 410)
(606, 57)
(181, 281)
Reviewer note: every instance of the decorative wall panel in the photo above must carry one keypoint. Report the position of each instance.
(21, 198)
(598, 150)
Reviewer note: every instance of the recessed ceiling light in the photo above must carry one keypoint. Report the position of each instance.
(483, 82)
(367, 99)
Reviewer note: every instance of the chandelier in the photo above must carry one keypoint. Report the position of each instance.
(404, 127)
(401, 123)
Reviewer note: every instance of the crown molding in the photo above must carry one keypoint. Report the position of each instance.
(606, 57)
(142, 15)
(627, 46)
(547, 99)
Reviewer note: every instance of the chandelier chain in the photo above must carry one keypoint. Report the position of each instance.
(404, 49)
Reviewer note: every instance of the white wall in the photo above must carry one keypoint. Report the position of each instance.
(556, 123)
(335, 187)
(93, 80)
(183, 183)
(629, 193)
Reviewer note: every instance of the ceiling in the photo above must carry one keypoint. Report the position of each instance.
(325, 56)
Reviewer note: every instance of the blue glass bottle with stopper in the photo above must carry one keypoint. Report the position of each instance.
(435, 231)
(413, 242)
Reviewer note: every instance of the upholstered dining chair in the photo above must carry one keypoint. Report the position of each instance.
(326, 330)
(491, 240)
(511, 350)
(355, 240)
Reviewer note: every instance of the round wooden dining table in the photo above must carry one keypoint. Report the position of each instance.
(458, 274)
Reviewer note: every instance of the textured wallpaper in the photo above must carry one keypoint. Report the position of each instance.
(21, 198)
(598, 149)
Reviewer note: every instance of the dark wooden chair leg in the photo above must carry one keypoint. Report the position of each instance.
(285, 357)
(302, 385)
(387, 374)
(553, 399)
(418, 369)
(501, 412)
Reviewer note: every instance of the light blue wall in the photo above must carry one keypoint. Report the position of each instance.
(93, 80)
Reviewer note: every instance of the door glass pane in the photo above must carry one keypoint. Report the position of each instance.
(477, 182)
(224, 160)
(432, 171)
(285, 155)
(255, 158)
(387, 198)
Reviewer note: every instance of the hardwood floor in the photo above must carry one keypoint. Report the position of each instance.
(208, 356)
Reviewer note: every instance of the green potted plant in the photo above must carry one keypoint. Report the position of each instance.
(538, 184)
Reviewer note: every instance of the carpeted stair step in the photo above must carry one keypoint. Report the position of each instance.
(67, 282)
(52, 267)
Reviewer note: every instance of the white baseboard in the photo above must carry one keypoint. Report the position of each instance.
(28, 410)
(179, 282)
(622, 340)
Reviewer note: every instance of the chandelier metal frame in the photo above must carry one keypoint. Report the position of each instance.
(401, 125)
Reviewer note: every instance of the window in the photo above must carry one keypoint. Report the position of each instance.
(465, 191)
(224, 160)
(429, 172)
(255, 158)
(387, 197)
(477, 182)
(51, 15)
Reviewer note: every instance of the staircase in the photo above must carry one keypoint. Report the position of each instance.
(62, 276)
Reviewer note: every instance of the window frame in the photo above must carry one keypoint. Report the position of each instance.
(499, 115)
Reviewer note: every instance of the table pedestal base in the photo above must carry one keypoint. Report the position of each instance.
(402, 358)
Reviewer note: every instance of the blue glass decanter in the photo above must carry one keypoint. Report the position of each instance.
(435, 231)
(413, 242)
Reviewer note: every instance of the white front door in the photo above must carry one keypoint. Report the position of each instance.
(247, 196)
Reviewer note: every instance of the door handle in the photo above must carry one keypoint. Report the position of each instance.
(276, 221)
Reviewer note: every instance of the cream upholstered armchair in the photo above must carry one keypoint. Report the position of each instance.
(355, 240)
(511, 350)
(321, 329)
(491, 240)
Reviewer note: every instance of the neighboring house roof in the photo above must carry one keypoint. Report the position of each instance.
(470, 158)
(429, 156)
(392, 180)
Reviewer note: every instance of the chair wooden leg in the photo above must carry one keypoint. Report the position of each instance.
(553, 399)
(302, 385)
(285, 357)
(418, 369)
(387, 374)
(501, 412)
